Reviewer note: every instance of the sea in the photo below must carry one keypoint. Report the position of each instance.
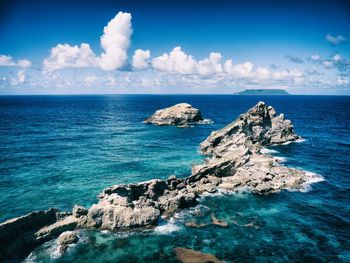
(57, 151)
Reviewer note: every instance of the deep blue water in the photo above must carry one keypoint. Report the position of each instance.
(57, 151)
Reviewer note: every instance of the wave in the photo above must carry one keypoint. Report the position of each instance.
(167, 227)
(297, 141)
(268, 151)
(280, 159)
(312, 178)
(205, 121)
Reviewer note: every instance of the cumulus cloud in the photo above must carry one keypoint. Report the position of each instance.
(115, 42)
(210, 65)
(294, 59)
(63, 56)
(140, 59)
(243, 70)
(176, 61)
(8, 61)
(335, 40)
(21, 77)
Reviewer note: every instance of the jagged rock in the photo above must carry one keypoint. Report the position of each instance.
(235, 153)
(79, 211)
(186, 255)
(20, 235)
(234, 160)
(181, 115)
(53, 230)
(67, 238)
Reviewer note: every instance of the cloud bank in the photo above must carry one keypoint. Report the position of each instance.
(70, 66)
(115, 42)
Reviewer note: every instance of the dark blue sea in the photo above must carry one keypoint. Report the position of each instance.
(57, 151)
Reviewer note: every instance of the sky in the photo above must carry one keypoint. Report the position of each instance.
(195, 47)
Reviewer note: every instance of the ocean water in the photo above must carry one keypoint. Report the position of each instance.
(57, 151)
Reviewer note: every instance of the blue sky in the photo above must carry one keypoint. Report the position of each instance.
(183, 46)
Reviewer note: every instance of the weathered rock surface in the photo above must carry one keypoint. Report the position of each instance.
(235, 153)
(181, 115)
(186, 255)
(234, 160)
(79, 211)
(67, 238)
(20, 235)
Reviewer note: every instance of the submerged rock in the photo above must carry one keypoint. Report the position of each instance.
(186, 255)
(181, 115)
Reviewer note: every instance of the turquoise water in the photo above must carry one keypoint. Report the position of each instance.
(56, 151)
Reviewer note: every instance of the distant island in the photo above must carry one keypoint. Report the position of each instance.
(262, 92)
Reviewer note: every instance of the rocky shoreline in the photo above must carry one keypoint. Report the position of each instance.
(234, 160)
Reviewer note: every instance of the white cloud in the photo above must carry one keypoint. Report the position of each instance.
(335, 40)
(8, 61)
(176, 61)
(315, 57)
(327, 64)
(63, 56)
(263, 73)
(90, 80)
(337, 57)
(140, 59)
(115, 42)
(211, 65)
(21, 77)
(243, 70)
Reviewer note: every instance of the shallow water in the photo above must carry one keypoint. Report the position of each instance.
(56, 151)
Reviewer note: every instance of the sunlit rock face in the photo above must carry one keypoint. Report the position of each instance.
(181, 115)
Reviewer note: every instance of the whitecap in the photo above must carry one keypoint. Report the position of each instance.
(312, 178)
(268, 151)
(205, 121)
(167, 227)
(297, 141)
(280, 159)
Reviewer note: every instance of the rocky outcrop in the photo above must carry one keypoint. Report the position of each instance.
(186, 255)
(20, 235)
(181, 115)
(235, 153)
(65, 239)
(234, 160)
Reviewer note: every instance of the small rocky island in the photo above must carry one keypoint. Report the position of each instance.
(181, 115)
(234, 160)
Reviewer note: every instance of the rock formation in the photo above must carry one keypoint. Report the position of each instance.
(234, 160)
(20, 235)
(67, 238)
(181, 115)
(186, 255)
